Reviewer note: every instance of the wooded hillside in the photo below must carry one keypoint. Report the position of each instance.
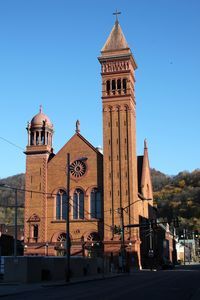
(7, 199)
(178, 196)
(175, 196)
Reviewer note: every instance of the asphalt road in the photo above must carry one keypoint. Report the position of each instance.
(178, 284)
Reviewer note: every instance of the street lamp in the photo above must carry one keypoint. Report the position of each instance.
(121, 212)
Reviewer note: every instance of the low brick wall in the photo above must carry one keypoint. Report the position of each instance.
(38, 268)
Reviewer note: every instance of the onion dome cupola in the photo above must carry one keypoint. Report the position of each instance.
(40, 130)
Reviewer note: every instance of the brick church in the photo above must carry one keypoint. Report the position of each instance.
(108, 188)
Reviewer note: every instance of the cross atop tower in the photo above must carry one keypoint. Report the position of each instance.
(116, 14)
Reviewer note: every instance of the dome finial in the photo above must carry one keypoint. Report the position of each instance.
(77, 126)
(40, 108)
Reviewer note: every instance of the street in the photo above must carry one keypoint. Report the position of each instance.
(181, 283)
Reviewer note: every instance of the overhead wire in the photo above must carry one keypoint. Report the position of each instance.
(51, 194)
(11, 143)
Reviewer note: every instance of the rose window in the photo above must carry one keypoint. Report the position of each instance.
(78, 168)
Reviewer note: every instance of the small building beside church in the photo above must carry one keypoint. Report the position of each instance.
(108, 188)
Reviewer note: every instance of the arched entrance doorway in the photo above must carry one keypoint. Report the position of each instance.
(61, 244)
(93, 244)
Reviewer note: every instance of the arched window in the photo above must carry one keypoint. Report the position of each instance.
(37, 138)
(95, 204)
(124, 86)
(78, 204)
(108, 87)
(61, 205)
(32, 138)
(93, 236)
(61, 237)
(42, 137)
(35, 232)
(119, 86)
(113, 86)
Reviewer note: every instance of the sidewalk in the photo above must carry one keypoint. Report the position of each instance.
(13, 288)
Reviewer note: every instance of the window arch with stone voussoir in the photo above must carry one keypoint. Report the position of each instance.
(34, 221)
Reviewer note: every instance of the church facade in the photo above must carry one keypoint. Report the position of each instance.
(108, 190)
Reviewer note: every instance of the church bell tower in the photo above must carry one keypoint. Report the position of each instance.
(119, 135)
(38, 152)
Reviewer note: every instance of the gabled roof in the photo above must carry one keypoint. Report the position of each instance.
(116, 40)
(77, 134)
(88, 143)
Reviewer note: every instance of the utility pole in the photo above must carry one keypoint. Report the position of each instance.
(150, 237)
(122, 225)
(184, 232)
(121, 211)
(67, 221)
(151, 252)
(15, 236)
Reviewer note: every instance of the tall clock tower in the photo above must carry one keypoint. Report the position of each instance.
(119, 137)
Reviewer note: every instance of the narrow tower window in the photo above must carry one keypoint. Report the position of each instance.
(124, 86)
(113, 86)
(32, 138)
(119, 86)
(42, 138)
(108, 87)
(35, 232)
(37, 138)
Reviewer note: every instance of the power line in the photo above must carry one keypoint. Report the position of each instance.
(11, 143)
(37, 192)
(55, 194)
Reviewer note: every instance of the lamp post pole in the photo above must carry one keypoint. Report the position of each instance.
(122, 238)
(15, 239)
(184, 237)
(122, 227)
(67, 221)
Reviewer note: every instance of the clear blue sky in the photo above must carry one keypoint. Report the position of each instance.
(48, 56)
